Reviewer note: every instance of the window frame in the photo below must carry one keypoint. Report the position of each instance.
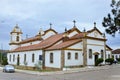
(13, 57)
(102, 54)
(69, 55)
(90, 53)
(33, 57)
(76, 56)
(51, 57)
(25, 56)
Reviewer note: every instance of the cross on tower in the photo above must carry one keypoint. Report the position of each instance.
(74, 22)
(50, 25)
(94, 24)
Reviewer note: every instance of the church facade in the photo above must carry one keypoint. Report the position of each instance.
(54, 50)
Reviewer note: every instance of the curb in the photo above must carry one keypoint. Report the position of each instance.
(74, 70)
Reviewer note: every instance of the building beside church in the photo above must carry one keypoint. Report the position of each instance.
(72, 48)
(116, 54)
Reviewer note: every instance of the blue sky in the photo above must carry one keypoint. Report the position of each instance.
(31, 15)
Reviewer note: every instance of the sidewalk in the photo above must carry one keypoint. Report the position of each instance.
(70, 70)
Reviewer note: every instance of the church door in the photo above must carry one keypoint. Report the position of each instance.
(18, 60)
(96, 57)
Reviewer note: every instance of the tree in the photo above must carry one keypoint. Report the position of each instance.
(112, 21)
(0, 58)
(110, 61)
(98, 61)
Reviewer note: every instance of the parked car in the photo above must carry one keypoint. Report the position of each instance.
(8, 68)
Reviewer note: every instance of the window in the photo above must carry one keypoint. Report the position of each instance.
(108, 55)
(40, 57)
(13, 58)
(116, 57)
(69, 55)
(51, 57)
(17, 38)
(90, 53)
(24, 57)
(102, 55)
(76, 55)
(10, 58)
(33, 57)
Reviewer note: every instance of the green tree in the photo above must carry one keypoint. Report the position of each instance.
(4, 61)
(98, 61)
(112, 21)
(110, 61)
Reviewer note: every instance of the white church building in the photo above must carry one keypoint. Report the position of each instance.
(72, 48)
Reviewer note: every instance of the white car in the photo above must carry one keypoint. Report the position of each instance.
(8, 68)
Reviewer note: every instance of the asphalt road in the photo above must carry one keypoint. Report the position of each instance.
(113, 73)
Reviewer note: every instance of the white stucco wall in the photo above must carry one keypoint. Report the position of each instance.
(13, 37)
(96, 46)
(48, 34)
(76, 46)
(56, 59)
(73, 61)
(28, 57)
(72, 33)
(95, 34)
(108, 53)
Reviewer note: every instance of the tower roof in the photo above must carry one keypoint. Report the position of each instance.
(16, 29)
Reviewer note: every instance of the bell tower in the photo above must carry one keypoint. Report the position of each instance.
(15, 37)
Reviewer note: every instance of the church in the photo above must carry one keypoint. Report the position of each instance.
(72, 48)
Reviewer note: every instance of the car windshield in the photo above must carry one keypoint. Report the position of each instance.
(9, 66)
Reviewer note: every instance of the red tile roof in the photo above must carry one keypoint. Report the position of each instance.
(43, 44)
(64, 44)
(117, 51)
(78, 36)
(36, 38)
(74, 29)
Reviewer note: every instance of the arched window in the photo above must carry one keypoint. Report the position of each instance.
(116, 56)
(102, 55)
(18, 59)
(108, 55)
(33, 57)
(76, 55)
(69, 55)
(13, 58)
(90, 53)
(24, 57)
(10, 58)
(17, 38)
(51, 57)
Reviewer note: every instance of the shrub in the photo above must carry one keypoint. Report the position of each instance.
(118, 59)
(4, 62)
(109, 60)
(98, 61)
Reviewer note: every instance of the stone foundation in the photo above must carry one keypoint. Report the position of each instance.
(52, 69)
(77, 66)
(24, 67)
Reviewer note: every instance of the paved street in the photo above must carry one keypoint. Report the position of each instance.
(113, 73)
